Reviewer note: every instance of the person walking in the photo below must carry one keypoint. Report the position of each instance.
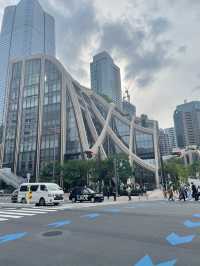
(108, 192)
(171, 193)
(129, 192)
(197, 194)
(194, 190)
(182, 194)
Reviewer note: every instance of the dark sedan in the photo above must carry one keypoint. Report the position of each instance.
(85, 194)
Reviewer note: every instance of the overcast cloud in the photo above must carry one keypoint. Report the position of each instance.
(154, 42)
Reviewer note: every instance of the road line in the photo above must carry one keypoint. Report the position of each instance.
(10, 216)
(3, 219)
(16, 213)
(41, 209)
(33, 211)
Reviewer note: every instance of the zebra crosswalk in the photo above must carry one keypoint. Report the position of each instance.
(7, 214)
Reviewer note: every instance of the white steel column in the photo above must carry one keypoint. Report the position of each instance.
(155, 140)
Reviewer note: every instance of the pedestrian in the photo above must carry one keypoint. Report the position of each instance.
(197, 193)
(108, 192)
(129, 192)
(194, 190)
(182, 193)
(140, 191)
(171, 193)
(164, 193)
(144, 189)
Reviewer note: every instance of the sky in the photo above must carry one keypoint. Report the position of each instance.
(156, 44)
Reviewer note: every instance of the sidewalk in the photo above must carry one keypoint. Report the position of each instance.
(152, 196)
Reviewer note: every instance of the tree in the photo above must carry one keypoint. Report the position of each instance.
(51, 172)
(177, 171)
(125, 170)
(75, 172)
(194, 169)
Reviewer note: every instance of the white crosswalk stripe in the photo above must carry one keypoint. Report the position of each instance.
(3, 219)
(17, 213)
(10, 216)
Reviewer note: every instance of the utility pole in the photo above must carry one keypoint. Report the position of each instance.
(116, 176)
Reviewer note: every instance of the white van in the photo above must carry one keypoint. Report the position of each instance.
(40, 194)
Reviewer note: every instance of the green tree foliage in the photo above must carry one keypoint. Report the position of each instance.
(177, 171)
(79, 172)
(51, 173)
(194, 169)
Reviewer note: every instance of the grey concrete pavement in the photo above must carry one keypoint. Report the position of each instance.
(113, 235)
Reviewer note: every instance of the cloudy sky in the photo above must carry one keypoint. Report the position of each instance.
(156, 43)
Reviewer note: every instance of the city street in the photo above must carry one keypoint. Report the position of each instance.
(142, 233)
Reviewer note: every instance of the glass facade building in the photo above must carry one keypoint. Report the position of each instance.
(187, 124)
(50, 117)
(26, 30)
(106, 78)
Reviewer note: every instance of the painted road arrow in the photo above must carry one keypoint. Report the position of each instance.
(175, 239)
(196, 215)
(191, 224)
(11, 237)
(91, 215)
(147, 261)
(60, 223)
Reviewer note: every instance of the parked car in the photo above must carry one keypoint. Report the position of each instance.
(40, 194)
(14, 196)
(85, 194)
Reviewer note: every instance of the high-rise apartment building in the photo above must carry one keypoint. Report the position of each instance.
(165, 147)
(26, 30)
(187, 124)
(106, 78)
(170, 132)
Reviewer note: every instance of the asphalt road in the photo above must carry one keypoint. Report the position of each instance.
(118, 235)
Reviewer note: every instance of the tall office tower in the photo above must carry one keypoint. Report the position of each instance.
(165, 147)
(170, 132)
(187, 124)
(26, 30)
(106, 78)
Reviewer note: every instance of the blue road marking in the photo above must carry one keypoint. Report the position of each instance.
(130, 207)
(59, 223)
(91, 215)
(196, 215)
(11, 237)
(175, 239)
(191, 224)
(113, 210)
(167, 263)
(147, 261)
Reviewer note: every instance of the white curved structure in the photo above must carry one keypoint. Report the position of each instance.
(49, 116)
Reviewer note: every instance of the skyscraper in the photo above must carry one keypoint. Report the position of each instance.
(187, 124)
(172, 137)
(106, 78)
(165, 148)
(26, 30)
